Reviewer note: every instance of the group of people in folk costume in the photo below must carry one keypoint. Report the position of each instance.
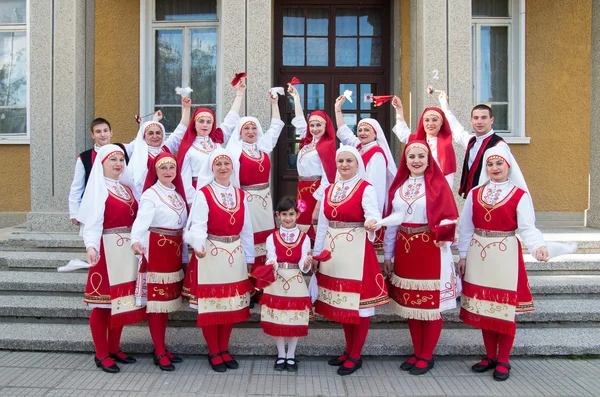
(140, 206)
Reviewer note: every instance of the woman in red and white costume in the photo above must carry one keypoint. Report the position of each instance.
(157, 235)
(108, 209)
(252, 147)
(202, 137)
(435, 129)
(315, 162)
(491, 258)
(350, 282)
(219, 229)
(150, 141)
(376, 155)
(419, 232)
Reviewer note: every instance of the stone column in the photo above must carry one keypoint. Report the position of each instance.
(441, 56)
(61, 81)
(593, 213)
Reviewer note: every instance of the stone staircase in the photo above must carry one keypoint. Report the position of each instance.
(41, 309)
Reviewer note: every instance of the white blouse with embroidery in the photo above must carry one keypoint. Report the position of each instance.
(196, 235)
(290, 236)
(308, 161)
(495, 193)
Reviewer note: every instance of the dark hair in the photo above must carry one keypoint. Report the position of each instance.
(99, 121)
(481, 106)
(287, 203)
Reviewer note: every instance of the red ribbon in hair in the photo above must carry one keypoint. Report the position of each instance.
(294, 81)
(238, 77)
(381, 99)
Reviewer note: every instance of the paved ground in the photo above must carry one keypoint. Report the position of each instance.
(75, 375)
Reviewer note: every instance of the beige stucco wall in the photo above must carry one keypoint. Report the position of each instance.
(14, 189)
(556, 163)
(117, 65)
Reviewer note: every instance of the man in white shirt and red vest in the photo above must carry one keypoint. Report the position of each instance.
(476, 144)
(101, 133)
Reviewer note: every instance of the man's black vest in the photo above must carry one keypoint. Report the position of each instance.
(86, 160)
(470, 177)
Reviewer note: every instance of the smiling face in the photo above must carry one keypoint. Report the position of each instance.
(347, 165)
(114, 165)
(481, 121)
(288, 218)
(316, 125)
(153, 135)
(497, 169)
(203, 125)
(366, 133)
(417, 161)
(249, 132)
(222, 168)
(166, 172)
(101, 134)
(432, 123)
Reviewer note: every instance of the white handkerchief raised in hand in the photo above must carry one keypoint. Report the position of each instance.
(348, 95)
(557, 249)
(276, 91)
(183, 91)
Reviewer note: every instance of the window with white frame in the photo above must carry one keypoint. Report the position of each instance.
(184, 52)
(498, 62)
(13, 70)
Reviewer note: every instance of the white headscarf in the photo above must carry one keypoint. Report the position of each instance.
(139, 159)
(361, 166)
(236, 143)
(382, 142)
(514, 171)
(94, 198)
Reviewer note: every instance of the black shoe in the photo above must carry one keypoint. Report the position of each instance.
(169, 367)
(480, 367)
(231, 364)
(343, 371)
(336, 362)
(291, 365)
(221, 367)
(175, 359)
(126, 360)
(406, 366)
(113, 369)
(422, 371)
(279, 366)
(500, 376)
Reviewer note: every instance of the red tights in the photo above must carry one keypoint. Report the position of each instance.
(106, 340)
(356, 335)
(157, 323)
(425, 336)
(498, 347)
(217, 338)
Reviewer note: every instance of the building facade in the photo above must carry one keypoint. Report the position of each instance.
(65, 62)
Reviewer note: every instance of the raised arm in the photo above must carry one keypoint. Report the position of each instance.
(298, 121)
(174, 139)
(271, 136)
(339, 116)
(401, 129)
(459, 134)
(231, 119)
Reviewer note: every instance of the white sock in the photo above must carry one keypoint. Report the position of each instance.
(280, 342)
(292, 342)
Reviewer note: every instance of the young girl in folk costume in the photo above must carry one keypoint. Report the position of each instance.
(151, 141)
(285, 303)
(107, 212)
(157, 235)
(202, 137)
(251, 147)
(419, 233)
(350, 281)
(495, 284)
(376, 155)
(435, 129)
(315, 161)
(219, 229)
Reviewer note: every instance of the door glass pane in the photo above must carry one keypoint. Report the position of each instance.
(346, 22)
(12, 11)
(292, 155)
(367, 116)
(365, 89)
(317, 22)
(490, 8)
(317, 52)
(315, 97)
(347, 104)
(494, 64)
(290, 130)
(345, 52)
(168, 66)
(370, 22)
(293, 51)
(350, 119)
(203, 73)
(370, 51)
(293, 21)
(290, 100)
(185, 10)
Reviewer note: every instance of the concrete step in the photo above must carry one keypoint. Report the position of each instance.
(34, 282)
(320, 342)
(62, 308)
